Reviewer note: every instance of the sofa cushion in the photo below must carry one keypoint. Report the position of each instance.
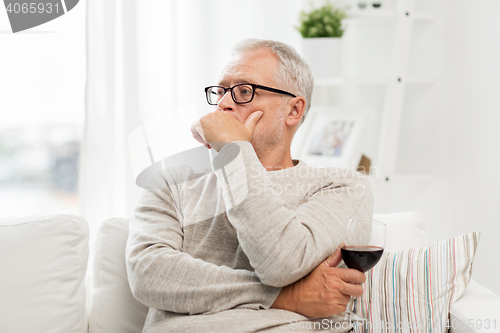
(477, 311)
(43, 262)
(404, 230)
(113, 307)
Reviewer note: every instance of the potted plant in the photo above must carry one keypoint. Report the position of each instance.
(321, 30)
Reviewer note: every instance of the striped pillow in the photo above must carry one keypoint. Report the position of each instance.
(412, 290)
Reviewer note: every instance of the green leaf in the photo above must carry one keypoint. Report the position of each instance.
(322, 22)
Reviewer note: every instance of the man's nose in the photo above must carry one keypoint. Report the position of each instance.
(226, 103)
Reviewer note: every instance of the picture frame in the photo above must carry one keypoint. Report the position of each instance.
(334, 137)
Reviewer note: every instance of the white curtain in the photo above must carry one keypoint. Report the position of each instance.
(136, 53)
(106, 186)
(149, 58)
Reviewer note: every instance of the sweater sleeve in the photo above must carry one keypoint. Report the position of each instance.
(285, 243)
(163, 277)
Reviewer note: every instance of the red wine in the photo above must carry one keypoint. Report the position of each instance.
(361, 258)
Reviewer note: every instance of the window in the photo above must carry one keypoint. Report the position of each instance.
(41, 115)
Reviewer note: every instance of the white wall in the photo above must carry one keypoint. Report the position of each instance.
(473, 105)
(453, 133)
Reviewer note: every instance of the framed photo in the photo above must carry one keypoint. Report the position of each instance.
(333, 137)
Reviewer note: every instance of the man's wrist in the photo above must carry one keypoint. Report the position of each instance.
(285, 299)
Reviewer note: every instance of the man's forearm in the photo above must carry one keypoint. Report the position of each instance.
(164, 277)
(182, 284)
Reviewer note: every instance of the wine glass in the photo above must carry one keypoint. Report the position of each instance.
(364, 243)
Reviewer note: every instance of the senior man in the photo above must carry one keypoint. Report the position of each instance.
(253, 246)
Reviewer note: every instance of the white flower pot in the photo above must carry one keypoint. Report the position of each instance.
(323, 55)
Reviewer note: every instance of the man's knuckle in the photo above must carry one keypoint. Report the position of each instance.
(334, 284)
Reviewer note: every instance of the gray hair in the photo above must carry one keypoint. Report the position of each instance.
(294, 74)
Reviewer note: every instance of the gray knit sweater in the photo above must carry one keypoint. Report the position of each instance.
(211, 253)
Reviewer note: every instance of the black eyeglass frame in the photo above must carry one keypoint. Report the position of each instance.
(253, 85)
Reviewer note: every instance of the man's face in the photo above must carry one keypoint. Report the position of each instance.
(257, 67)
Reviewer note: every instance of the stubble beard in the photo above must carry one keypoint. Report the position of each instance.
(274, 137)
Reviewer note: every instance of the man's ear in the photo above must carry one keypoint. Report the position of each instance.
(297, 107)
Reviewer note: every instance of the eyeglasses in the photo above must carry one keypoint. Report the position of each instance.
(241, 93)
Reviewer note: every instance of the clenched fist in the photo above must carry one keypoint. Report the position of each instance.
(217, 128)
(324, 292)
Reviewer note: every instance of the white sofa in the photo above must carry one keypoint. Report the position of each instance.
(49, 283)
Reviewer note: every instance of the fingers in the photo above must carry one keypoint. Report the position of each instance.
(219, 126)
(349, 289)
(350, 275)
(197, 133)
(348, 282)
(343, 300)
(334, 259)
(252, 120)
(353, 280)
(333, 306)
(327, 290)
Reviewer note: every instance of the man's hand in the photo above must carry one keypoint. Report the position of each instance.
(324, 292)
(219, 127)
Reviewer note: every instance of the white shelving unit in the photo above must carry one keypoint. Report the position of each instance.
(386, 14)
(371, 80)
(383, 88)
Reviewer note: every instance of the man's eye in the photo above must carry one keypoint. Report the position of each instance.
(220, 92)
(246, 91)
